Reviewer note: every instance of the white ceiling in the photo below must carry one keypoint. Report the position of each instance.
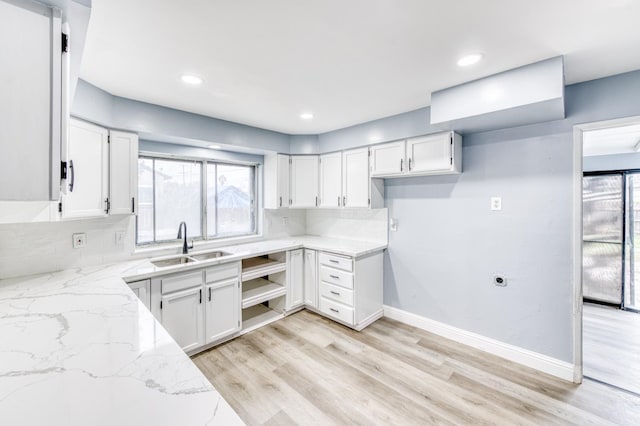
(265, 62)
(612, 140)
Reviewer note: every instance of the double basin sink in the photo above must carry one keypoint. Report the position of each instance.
(185, 259)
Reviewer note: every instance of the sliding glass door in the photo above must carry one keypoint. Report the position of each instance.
(611, 230)
(631, 296)
(603, 224)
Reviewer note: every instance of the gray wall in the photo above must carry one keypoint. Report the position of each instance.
(448, 245)
(157, 123)
(192, 151)
(599, 163)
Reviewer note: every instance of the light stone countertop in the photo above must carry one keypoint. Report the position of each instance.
(77, 347)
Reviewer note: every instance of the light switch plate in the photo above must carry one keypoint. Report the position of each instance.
(496, 203)
(79, 240)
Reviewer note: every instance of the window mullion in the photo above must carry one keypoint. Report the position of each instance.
(153, 185)
(204, 200)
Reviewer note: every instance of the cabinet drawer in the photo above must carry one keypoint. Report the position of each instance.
(180, 282)
(335, 276)
(222, 272)
(339, 294)
(335, 261)
(336, 310)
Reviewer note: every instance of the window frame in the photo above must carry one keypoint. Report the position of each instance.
(204, 208)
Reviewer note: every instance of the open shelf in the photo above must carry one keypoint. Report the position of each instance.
(260, 290)
(256, 267)
(256, 316)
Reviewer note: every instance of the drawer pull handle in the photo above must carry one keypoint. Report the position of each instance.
(334, 261)
(334, 292)
(334, 310)
(335, 277)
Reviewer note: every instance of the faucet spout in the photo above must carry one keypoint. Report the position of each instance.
(185, 247)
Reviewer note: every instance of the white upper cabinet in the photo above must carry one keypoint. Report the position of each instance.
(276, 181)
(87, 171)
(33, 105)
(433, 153)
(123, 172)
(425, 155)
(304, 181)
(355, 181)
(331, 180)
(388, 159)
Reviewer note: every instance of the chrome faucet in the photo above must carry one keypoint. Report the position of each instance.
(185, 247)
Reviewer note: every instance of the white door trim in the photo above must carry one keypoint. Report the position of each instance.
(576, 235)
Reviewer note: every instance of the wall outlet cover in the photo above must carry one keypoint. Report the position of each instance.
(496, 203)
(79, 240)
(393, 224)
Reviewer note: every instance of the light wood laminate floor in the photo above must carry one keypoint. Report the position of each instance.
(306, 369)
(611, 346)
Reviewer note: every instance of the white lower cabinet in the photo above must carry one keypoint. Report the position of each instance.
(181, 316)
(222, 309)
(295, 279)
(350, 289)
(311, 278)
(198, 307)
(142, 289)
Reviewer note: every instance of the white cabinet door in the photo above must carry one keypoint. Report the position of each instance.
(388, 159)
(276, 181)
(30, 101)
(142, 289)
(181, 315)
(123, 172)
(284, 198)
(222, 309)
(431, 153)
(304, 181)
(331, 180)
(87, 171)
(355, 186)
(310, 278)
(295, 279)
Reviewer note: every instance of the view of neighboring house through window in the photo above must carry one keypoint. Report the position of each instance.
(174, 190)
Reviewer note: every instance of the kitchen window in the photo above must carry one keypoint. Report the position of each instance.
(215, 199)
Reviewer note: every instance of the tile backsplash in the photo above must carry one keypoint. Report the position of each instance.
(31, 248)
(37, 247)
(355, 224)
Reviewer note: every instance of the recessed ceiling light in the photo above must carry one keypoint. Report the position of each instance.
(306, 116)
(471, 59)
(191, 79)
(215, 146)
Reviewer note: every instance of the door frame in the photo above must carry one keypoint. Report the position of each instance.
(576, 234)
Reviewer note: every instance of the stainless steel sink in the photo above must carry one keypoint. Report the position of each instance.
(210, 255)
(172, 261)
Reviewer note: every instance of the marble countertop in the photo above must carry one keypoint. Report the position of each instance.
(355, 248)
(77, 347)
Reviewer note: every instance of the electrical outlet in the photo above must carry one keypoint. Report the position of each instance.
(496, 203)
(79, 240)
(120, 237)
(393, 224)
(285, 220)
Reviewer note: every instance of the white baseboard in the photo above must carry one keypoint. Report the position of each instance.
(544, 363)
